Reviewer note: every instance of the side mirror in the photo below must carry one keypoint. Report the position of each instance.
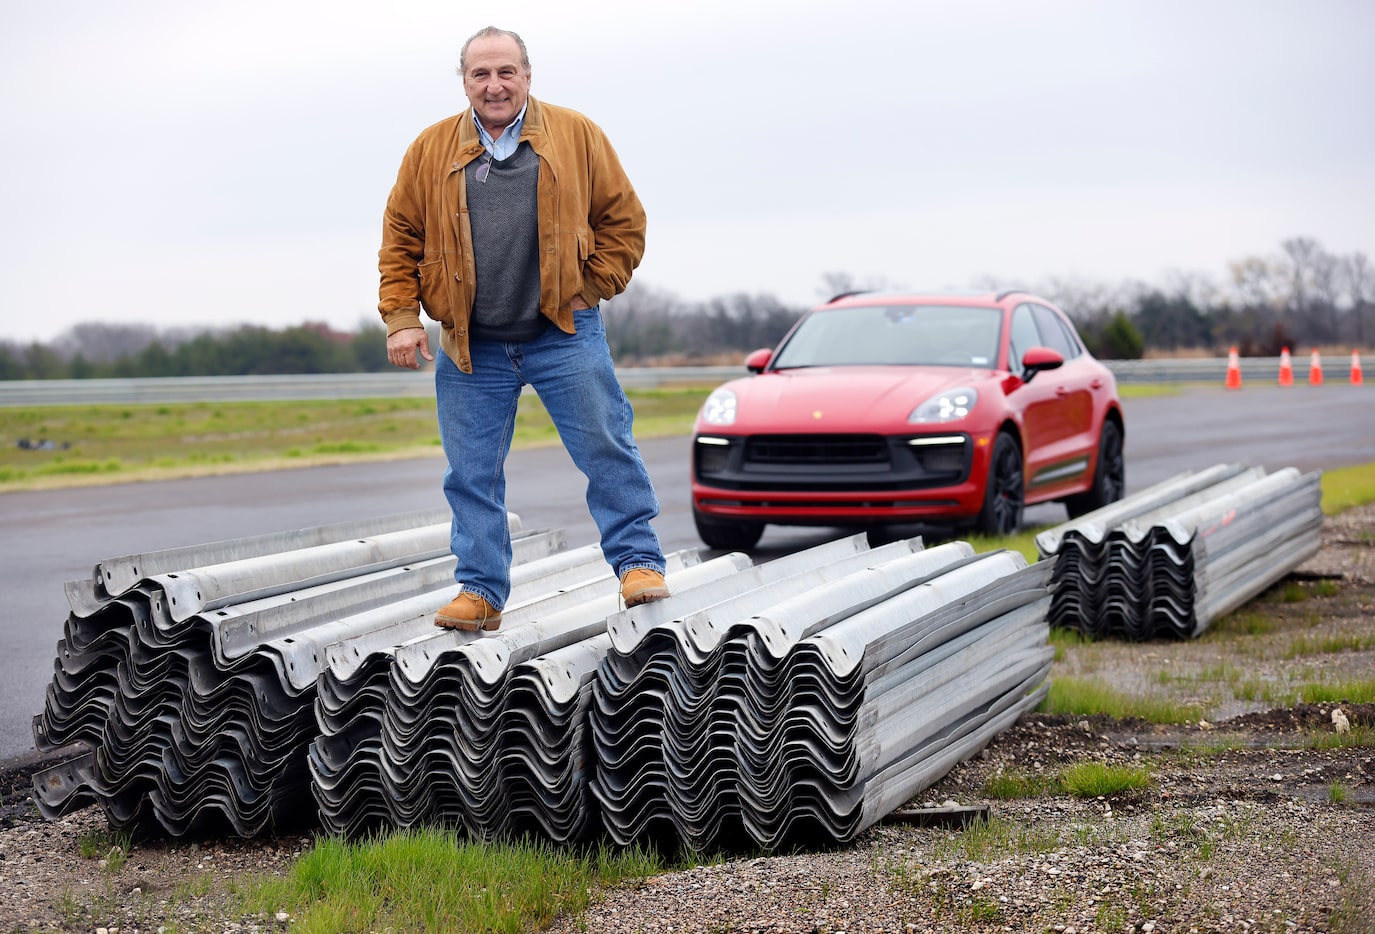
(1040, 358)
(758, 360)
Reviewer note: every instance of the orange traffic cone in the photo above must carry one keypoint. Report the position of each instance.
(1286, 368)
(1233, 370)
(1356, 377)
(1315, 369)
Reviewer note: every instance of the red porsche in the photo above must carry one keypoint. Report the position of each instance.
(886, 409)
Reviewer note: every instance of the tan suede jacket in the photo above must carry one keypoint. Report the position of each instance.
(591, 224)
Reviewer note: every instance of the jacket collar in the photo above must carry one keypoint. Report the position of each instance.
(532, 129)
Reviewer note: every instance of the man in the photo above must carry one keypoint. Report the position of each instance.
(508, 225)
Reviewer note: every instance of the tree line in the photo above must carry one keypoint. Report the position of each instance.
(1302, 295)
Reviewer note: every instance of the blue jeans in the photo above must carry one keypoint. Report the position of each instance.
(576, 380)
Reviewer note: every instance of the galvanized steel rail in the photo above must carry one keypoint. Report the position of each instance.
(299, 678)
(168, 389)
(1171, 559)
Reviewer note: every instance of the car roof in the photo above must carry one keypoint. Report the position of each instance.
(970, 297)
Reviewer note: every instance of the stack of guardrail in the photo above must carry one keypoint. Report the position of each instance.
(227, 686)
(1169, 560)
(812, 704)
(188, 675)
(420, 726)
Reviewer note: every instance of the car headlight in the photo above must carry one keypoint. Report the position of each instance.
(947, 407)
(719, 409)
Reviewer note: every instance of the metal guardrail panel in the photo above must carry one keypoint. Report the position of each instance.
(1168, 561)
(169, 389)
(775, 699)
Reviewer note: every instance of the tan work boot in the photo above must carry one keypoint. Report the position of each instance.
(468, 612)
(643, 585)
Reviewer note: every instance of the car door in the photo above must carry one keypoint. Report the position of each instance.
(1067, 419)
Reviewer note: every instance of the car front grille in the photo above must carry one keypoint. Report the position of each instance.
(816, 449)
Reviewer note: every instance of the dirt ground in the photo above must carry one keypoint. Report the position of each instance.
(1259, 816)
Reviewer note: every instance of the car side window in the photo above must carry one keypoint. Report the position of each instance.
(1022, 337)
(1053, 332)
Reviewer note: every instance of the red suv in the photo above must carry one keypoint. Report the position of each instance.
(883, 409)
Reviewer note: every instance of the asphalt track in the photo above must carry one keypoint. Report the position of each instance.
(55, 536)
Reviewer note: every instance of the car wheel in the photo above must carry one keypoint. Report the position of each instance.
(727, 534)
(1109, 478)
(1003, 490)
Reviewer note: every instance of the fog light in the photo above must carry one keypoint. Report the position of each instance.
(713, 455)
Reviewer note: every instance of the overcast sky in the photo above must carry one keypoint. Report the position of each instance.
(214, 163)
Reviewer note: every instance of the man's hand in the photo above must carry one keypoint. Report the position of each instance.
(407, 346)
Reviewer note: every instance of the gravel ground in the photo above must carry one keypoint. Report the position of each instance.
(1247, 824)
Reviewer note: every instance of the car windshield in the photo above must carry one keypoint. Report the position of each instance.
(900, 335)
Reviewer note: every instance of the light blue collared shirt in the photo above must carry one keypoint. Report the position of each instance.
(503, 146)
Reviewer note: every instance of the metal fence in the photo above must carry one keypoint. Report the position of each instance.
(1258, 370)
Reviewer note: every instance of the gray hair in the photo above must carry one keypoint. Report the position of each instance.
(492, 32)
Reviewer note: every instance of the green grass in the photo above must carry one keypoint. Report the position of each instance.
(1095, 779)
(1084, 780)
(110, 846)
(1083, 696)
(1332, 645)
(430, 880)
(1340, 692)
(1024, 542)
(994, 838)
(1007, 786)
(1345, 487)
(116, 443)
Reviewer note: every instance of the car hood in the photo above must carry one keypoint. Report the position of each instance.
(845, 399)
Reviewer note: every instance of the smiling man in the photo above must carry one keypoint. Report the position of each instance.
(509, 224)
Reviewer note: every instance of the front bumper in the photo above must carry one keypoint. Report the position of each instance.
(823, 479)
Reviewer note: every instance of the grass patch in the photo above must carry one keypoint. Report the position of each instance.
(1084, 780)
(1345, 487)
(111, 847)
(1007, 786)
(1340, 692)
(1024, 542)
(1246, 621)
(1358, 736)
(1084, 697)
(1331, 645)
(115, 443)
(1356, 906)
(431, 880)
(994, 838)
(1095, 779)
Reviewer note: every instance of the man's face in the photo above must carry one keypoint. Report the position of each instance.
(495, 81)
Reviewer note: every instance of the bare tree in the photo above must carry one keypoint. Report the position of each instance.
(101, 342)
(1197, 288)
(838, 283)
(1299, 268)
(1257, 284)
(1360, 288)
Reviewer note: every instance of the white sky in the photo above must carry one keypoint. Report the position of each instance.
(171, 162)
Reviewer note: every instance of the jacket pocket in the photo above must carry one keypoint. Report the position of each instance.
(575, 250)
(434, 289)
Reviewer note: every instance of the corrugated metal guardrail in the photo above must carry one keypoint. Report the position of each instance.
(1259, 370)
(1170, 559)
(805, 697)
(294, 386)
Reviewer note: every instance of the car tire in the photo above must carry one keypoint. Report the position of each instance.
(727, 534)
(1109, 477)
(1004, 489)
